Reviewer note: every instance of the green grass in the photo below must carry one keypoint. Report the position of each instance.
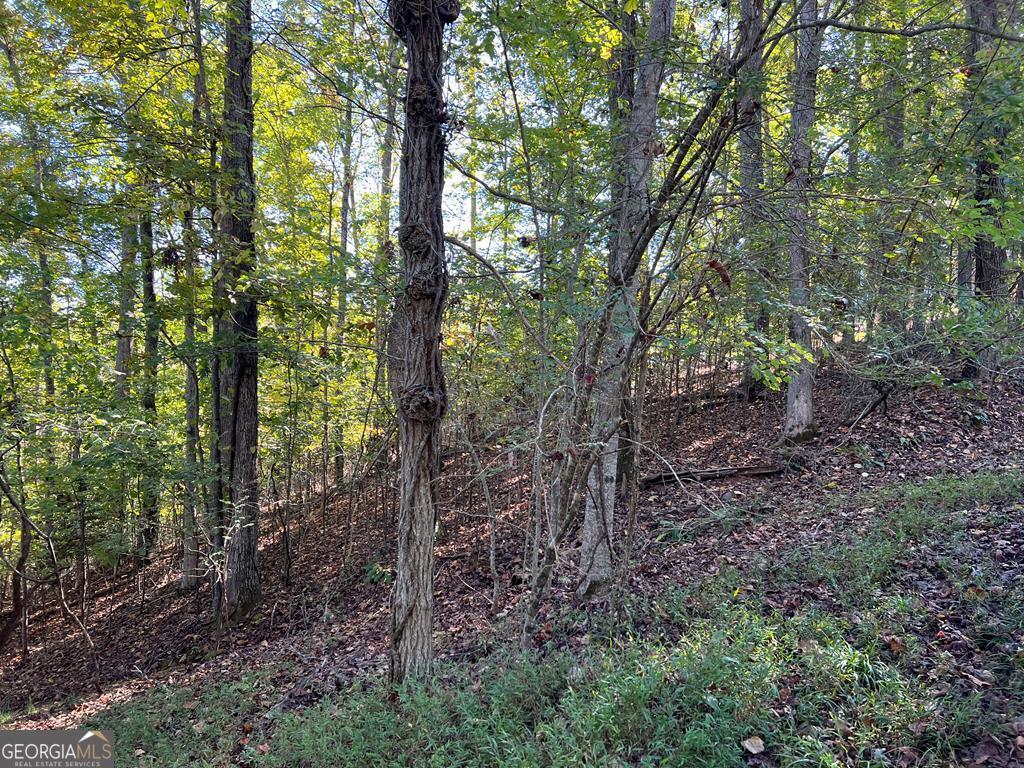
(848, 679)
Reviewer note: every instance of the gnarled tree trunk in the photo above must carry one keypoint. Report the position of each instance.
(417, 378)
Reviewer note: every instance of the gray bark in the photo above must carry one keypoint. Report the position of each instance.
(800, 424)
(190, 570)
(126, 300)
(748, 111)
(190, 504)
(417, 377)
(634, 139)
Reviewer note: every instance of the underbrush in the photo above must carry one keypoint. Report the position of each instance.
(853, 671)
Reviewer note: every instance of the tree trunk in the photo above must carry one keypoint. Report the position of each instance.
(417, 377)
(800, 424)
(964, 270)
(190, 529)
(341, 318)
(190, 571)
(149, 514)
(126, 298)
(853, 150)
(989, 192)
(748, 112)
(385, 249)
(633, 137)
(19, 585)
(237, 314)
(893, 271)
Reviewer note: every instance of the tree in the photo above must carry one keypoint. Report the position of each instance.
(990, 132)
(149, 517)
(417, 377)
(236, 427)
(634, 100)
(202, 125)
(800, 425)
(751, 141)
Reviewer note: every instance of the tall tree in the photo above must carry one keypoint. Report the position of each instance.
(751, 126)
(990, 132)
(126, 299)
(190, 571)
(417, 377)
(202, 134)
(634, 104)
(149, 513)
(800, 424)
(236, 313)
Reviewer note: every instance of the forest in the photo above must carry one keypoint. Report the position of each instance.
(496, 383)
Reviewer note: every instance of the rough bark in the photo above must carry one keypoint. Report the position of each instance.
(892, 269)
(748, 115)
(800, 424)
(237, 314)
(417, 378)
(19, 585)
(633, 138)
(190, 503)
(149, 512)
(126, 300)
(989, 191)
(201, 123)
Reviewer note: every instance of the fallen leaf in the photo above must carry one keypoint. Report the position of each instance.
(754, 745)
(908, 757)
(896, 646)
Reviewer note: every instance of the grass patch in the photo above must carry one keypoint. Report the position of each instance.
(724, 519)
(858, 678)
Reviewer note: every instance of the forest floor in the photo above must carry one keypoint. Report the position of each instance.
(863, 607)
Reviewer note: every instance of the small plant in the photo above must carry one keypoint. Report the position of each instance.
(707, 671)
(375, 573)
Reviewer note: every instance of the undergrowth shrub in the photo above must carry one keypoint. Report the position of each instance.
(704, 677)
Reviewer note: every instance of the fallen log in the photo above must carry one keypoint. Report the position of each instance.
(712, 473)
